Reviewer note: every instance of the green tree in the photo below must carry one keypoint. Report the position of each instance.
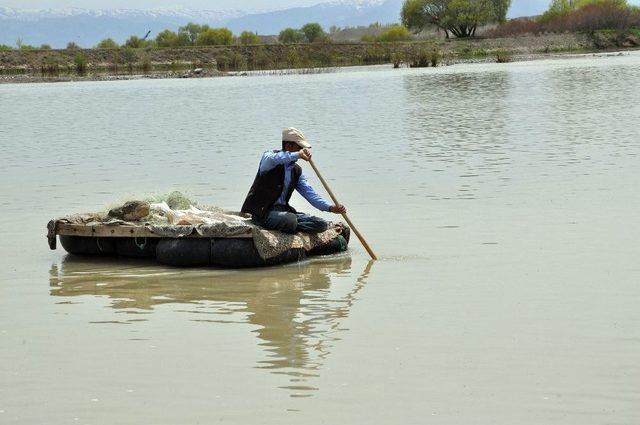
(192, 31)
(395, 33)
(45, 47)
(313, 32)
(215, 37)
(167, 38)
(72, 45)
(291, 35)
(248, 38)
(458, 17)
(5, 47)
(107, 43)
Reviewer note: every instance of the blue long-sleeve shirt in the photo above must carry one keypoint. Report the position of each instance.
(272, 159)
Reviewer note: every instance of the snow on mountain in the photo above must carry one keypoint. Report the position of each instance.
(36, 14)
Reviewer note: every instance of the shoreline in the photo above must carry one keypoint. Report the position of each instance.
(20, 67)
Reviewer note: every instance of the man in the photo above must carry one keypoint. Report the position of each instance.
(278, 176)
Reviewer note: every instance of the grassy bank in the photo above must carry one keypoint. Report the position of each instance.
(29, 65)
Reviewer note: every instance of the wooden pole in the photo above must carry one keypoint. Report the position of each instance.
(349, 222)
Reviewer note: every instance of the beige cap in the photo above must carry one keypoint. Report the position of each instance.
(294, 135)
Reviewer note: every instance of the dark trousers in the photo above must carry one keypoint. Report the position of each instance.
(283, 219)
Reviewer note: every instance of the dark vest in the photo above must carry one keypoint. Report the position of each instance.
(267, 188)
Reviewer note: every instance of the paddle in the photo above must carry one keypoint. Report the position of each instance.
(349, 222)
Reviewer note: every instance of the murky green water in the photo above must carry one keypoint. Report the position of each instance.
(503, 200)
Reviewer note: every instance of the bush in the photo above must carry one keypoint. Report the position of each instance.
(130, 58)
(215, 37)
(136, 42)
(503, 56)
(72, 46)
(588, 15)
(50, 66)
(45, 47)
(435, 58)
(635, 17)
(397, 59)
(115, 60)
(291, 35)
(146, 64)
(231, 61)
(4, 47)
(80, 63)
(395, 33)
(107, 43)
(261, 59)
(420, 58)
(249, 38)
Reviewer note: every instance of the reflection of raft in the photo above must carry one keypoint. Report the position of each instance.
(190, 249)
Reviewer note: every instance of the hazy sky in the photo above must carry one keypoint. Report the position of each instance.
(158, 4)
(532, 6)
(190, 4)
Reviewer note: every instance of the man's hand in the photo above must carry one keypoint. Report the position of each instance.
(338, 209)
(305, 154)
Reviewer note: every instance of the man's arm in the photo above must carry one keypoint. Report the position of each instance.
(271, 160)
(311, 195)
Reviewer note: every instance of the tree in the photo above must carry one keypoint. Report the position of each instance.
(192, 31)
(215, 37)
(458, 17)
(107, 43)
(72, 45)
(248, 38)
(168, 38)
(5, 47)
(291, 35)
(313, 32)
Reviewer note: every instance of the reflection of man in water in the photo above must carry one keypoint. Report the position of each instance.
(278, 176)
(289, 305)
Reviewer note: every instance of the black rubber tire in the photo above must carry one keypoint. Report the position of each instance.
(136, 247)
(194, 252)
(184, 252)
(81, 245)
(242, 253)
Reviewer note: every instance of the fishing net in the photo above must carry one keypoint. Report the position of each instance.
(175, 215)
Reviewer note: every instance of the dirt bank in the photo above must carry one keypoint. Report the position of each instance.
(92, 64)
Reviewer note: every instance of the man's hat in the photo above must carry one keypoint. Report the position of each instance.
(294, 135)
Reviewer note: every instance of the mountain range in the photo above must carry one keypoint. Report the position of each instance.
(87, 27)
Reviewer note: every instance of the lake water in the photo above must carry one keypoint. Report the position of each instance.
(502, 199)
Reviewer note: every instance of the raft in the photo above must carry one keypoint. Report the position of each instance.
(192, 249)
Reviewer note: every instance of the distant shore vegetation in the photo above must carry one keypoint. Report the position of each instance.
(433, 32)
(420, 19)
(575, 16)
